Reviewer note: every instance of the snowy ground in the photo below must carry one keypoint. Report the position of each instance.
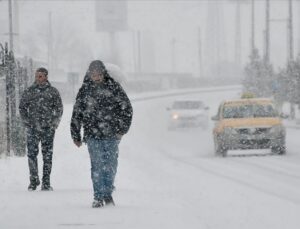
(165, 180)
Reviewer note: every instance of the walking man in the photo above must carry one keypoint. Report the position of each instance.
(41, 110)
(105, 112)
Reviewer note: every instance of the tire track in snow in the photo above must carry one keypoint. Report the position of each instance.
(272, 168)
(218, 172)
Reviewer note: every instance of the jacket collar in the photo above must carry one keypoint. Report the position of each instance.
(42, 86)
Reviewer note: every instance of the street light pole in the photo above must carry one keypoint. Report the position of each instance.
(11, 40)
(50, 42)
(290, 33)
(267, 32)
(252, 26)
(200, 52)
(299, 29)
(139, 52)
(173, 46)
(238, 35)
(291, 50)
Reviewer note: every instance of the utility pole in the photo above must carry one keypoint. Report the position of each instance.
(134, 55)
(50, 42)
(10, 96)
(214, 36)
(267, 32)
(114, 47)
(291, 50)
(139, 52)
(11, 40)
(218, 33)
(200, 53)
(16, 26)
(173, 46)
(238, 35)
(252, 26)
(290, 33)
(299, 30)
(7, 108)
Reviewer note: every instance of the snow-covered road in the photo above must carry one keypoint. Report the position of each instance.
(166, 179)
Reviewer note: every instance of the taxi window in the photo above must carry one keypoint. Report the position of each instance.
(264, 111)
(249, 111)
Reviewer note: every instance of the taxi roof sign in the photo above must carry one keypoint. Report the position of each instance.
(247, 95)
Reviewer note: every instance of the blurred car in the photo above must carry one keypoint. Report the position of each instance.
(248, 124)
(188, 113)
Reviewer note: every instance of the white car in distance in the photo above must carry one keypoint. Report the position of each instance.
(187, 113)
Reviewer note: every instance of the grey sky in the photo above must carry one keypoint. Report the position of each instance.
(160, 22)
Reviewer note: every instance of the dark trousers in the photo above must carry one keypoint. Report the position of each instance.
(34, 137)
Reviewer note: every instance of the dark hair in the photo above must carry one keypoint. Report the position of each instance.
(43, 70)
(97, 65)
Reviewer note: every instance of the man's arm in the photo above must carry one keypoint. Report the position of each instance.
(23, 109)
(76, 120)
(58, 108)
(125, 112)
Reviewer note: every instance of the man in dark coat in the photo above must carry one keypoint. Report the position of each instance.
(41, 110)
(104, 111)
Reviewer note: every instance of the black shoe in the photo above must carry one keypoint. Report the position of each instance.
(109, 201)
(46, 187)
(33, 184)
(98, 204)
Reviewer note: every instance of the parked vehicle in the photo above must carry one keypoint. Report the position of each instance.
(248, 124)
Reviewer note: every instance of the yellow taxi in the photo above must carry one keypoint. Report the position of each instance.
(249, 123)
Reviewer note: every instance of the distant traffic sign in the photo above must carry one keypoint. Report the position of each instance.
(111, 15)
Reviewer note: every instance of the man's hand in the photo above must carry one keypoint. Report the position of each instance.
(77, 143)
(119, 136)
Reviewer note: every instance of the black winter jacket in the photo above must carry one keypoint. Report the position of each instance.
(41, 106)
(103, 110)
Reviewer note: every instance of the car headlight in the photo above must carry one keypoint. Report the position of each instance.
(175, 116)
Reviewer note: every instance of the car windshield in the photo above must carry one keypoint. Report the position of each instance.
(249, 111)
(183, 105)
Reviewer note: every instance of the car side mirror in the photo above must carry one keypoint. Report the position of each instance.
(215, 118)
(284, 116)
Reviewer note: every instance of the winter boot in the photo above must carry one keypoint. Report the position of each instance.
(98, 203)
(34, 182)
(46, 187)
(109, 201)
(46, 183)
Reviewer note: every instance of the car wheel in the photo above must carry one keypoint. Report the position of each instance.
(220, 149)
(281, 150)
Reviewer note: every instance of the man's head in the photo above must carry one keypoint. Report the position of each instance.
(97, 71)
(96, 76)
(41, 76)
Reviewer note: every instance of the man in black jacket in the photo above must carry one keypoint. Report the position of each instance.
(104, 111)
(41, 110)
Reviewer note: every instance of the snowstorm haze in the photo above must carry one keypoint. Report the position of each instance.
(205, 137)
(170, 34)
